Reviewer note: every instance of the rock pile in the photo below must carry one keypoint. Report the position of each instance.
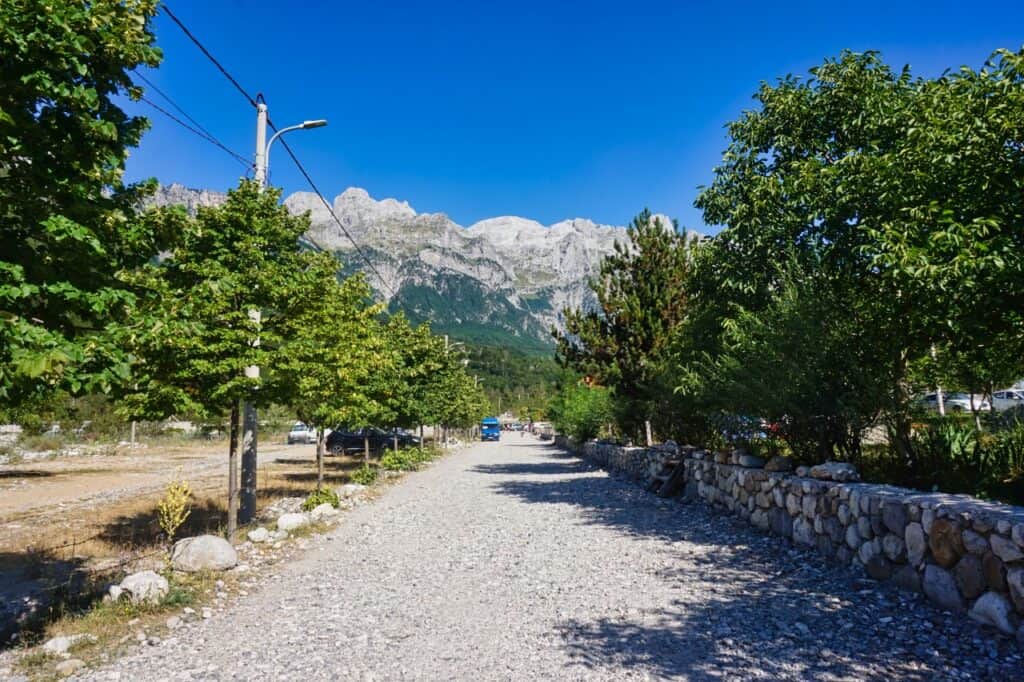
(964, 554)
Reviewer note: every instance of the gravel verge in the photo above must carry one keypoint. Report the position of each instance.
(512, 561)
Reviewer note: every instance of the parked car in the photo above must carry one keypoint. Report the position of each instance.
(956, 402)
(1007, 399)
(344, 441)
(300, 433)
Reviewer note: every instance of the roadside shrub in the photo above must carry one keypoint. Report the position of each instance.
(321, 496)
(365, 475)
(175, 507)
(581, 411)
(402, 460)
(42, 443)
(953, 456)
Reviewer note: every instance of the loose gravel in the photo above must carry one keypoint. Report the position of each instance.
(512, 561)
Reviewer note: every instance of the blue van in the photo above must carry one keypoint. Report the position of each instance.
(490, 429)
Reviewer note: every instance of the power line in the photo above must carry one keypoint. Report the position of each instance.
(154, 88)
(209, 56)
(295, 159)
(206, 136)
(330, 209)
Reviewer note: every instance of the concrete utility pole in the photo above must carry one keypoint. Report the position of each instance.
(247, 502)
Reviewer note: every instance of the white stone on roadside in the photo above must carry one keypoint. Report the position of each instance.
(350, 489)
(323, 512)
(260, 534)
(144, 587)
(69, 667)
(173, 623)
(292, 521)
(203, 553)
(62, 644)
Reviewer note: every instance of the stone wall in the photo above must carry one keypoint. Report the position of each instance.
(966, 555)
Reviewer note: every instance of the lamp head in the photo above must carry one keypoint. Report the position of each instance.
(318, 123)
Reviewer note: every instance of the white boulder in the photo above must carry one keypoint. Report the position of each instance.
(144, 587)
(203, 553)
(290, 522)
(62, 644)
(323, 512)
(260, 534)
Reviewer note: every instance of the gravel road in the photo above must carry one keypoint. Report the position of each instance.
(512, 560)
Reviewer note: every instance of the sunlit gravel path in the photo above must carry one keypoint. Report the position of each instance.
(512, 561)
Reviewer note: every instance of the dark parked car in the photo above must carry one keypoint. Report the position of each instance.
(343, 441)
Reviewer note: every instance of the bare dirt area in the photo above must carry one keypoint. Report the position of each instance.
(67, 518)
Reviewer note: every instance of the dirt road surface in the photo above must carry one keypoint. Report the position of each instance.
(514, 561)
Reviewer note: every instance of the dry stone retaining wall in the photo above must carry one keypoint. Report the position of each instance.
(966, 555)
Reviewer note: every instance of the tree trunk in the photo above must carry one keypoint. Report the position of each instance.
(320, 457)
(421, 437)
(901, 425)
(366, 450)
(233, 472)
(647, 430)
(396, 443)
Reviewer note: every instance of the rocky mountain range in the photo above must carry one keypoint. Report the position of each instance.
(501, 281)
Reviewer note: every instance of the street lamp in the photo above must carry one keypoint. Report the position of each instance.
(247, 501)
(263, 147)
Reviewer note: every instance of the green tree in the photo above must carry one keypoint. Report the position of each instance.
(67, 221)
(641, 290)
(901, 197)
(231, 260)
(332, 348)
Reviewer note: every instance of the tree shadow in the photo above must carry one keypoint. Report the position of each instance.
(142, 530)
(26, 473)
(37, 588)
(523, 469)
(746, 604)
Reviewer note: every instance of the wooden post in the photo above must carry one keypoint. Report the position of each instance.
(366, 449)
(647, 427)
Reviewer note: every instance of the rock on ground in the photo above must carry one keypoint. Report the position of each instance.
(292, 521)
(203, 553)
(513, 561)
(144, 587)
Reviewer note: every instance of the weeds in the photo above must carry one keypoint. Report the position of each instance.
(365, 475)
(321, 496)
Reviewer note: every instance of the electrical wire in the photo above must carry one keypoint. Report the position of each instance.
(209, 138)
(330, 210)
(202, 48)
(295, 159)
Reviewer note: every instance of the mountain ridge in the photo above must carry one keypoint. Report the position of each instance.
(502, 280)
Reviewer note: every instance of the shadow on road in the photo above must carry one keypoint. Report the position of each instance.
(750, 605)
(25, 473)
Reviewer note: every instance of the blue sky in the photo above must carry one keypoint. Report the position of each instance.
(547, 110)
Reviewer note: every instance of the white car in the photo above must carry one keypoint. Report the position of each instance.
(301, 433)
(956, 402)
(1007, 399)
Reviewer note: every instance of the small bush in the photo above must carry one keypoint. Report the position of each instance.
(322, 496)
(403, 460)
(365, 475)
(175, 507)
(42, 443)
